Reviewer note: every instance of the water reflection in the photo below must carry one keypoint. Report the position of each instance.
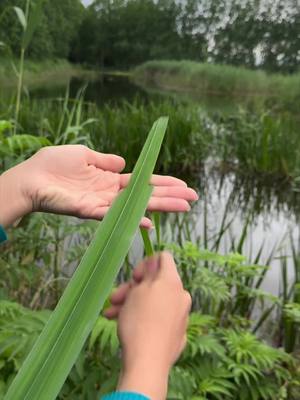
(258, 219)
(102, 90)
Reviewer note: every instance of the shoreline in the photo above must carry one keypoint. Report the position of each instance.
(216, 80)
(44, 72)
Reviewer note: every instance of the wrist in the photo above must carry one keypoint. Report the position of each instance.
(148, 377)
(14, 203)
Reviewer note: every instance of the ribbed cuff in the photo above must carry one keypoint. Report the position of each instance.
(3, 236)
(124, 396)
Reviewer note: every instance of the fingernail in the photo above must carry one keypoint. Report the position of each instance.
(195, 195)
(152, 263)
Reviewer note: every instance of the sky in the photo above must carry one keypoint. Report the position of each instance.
(87, 2)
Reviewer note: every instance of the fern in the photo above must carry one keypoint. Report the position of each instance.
(21, 144)
(182, 384)
(229, 363)
(20, 327)
(292, 312)
(105, 332)
(199, 342)
(209, 287)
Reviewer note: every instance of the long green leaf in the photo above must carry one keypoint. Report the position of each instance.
(56, 350)
(21, 17)
(147, 242)
(32, 23)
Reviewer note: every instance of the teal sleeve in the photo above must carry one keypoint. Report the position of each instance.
(3, 236)
(124, 396)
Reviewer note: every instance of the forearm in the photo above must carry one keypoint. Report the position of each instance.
(13, 203)
(146, 378)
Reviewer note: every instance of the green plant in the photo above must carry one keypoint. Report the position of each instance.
(18, 145)
(258, 144)
(29, 22)
(96, 369)
(245, 85)
(19, 329)
(232, 363)
(56, 350)
(223, 358)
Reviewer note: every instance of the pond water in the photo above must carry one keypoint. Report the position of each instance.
(271, 212)
(115, 88)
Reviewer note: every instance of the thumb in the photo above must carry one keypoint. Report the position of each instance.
(168, 270)
(151, 267)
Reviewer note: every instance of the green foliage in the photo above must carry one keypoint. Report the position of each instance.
(220, 284)
(292, 312)
(18, 146)
(22, 144)
(252, 143)
(245, 85)
(230, 362)
(216, 363)
(232, 32)
(74, 121)
(19, 329)
(223, 358)
(79, 305)
(56, 25)
(265, 139)
(253, 24)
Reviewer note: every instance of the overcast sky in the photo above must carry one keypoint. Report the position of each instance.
(87, 2)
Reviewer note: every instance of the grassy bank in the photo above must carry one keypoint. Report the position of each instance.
(39, 72)
(253, 143)
(218, 79)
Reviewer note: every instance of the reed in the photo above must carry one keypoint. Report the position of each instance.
(224, 80)
(259, 144)
(57, 348)
(29, 22)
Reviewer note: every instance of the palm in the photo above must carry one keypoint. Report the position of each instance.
(75, 180)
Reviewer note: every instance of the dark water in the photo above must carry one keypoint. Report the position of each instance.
(115, 88)
(270, 211)
(107, 89)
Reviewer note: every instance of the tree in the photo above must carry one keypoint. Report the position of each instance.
(58, 27)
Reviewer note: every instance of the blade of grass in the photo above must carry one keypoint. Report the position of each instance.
(33, 20)
(147, 242)
(57, 348)
(156, 219)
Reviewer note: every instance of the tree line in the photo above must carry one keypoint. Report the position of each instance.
(57, 29)
(124, 33)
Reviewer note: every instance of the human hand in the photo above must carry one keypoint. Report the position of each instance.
(75, 180)
(152, 312)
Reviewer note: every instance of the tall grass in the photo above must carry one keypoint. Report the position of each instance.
(263, 144)
(121, 129)
(219, 79)
(46, 72)
(251, 143)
